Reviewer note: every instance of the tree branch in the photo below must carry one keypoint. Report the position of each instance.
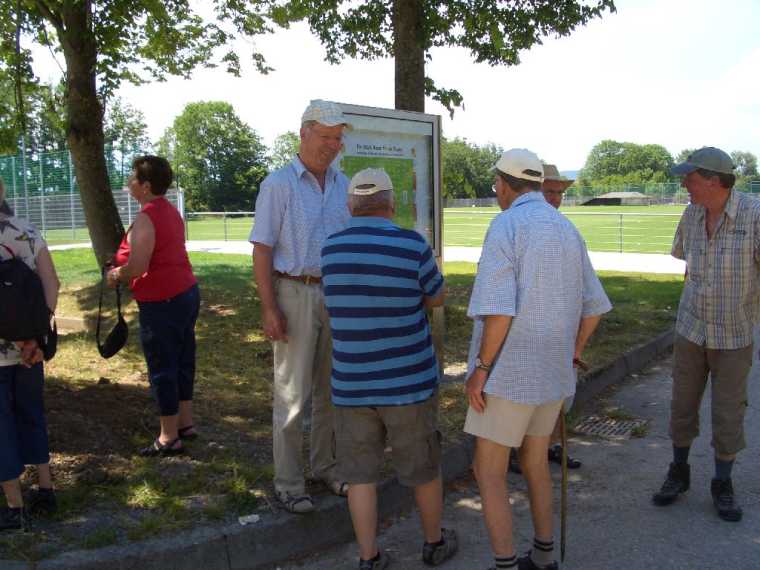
(51, 10)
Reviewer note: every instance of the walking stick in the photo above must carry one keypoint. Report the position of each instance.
(563, 494)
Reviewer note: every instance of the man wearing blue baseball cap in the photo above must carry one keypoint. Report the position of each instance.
(719, 238)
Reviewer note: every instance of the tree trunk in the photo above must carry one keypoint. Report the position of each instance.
(409, 55)
(85, 129)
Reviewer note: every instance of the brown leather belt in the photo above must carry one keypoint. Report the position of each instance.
(307, 279)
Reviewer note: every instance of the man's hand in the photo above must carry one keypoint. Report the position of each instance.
(474, 390)
(31, 353)
(112, 277)
(275, 324)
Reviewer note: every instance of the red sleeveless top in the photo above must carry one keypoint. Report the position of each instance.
(169, 270)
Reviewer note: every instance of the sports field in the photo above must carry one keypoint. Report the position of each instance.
(629, 229)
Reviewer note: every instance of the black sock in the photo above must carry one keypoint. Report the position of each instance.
(439, 543)
(375, 558)
(506, 561)
(542, 553)
(681, 454)
(723, 469)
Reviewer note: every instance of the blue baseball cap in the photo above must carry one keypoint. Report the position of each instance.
(707, 158)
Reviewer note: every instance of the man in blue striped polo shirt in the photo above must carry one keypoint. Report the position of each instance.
(378, 280)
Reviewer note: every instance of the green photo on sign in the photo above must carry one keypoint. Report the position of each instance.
(401, 173)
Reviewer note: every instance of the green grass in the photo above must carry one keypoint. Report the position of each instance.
(629, 229)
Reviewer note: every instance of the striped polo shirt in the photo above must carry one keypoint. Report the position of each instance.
(375, 277)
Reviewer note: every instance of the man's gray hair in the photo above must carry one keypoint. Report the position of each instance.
(367, 205)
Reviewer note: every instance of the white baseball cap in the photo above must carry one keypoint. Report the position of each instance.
(325, 113)
(520, 163)
(369, 181)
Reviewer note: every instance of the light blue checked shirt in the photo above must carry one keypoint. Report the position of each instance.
(535, 268)
(294, 217)
(720, 302)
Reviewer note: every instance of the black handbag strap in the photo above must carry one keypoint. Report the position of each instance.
(103, 273)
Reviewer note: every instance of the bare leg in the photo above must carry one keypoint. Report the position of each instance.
(429, 497)
(13, 496)
(362, 502)
(185, 414)
(535, 467)
(168, 428)
(44, 478)
(490, 466)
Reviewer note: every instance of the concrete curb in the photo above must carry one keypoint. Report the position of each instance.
(283, 536)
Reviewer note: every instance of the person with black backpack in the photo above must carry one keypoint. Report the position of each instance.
(23, 428)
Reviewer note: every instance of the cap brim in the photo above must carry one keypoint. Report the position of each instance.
(683, 169)
(335, 122)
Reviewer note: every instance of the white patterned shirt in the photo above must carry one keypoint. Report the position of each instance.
(294, 217)
(535, 268)
(23, 239)
(720, 302)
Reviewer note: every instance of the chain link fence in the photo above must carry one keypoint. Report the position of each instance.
(42, 188)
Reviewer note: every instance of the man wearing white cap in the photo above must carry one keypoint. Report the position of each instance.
(535, 302)
(298, 206)
(553, 188)
(378, 280)
(719, 238)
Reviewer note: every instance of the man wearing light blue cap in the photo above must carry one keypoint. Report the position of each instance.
(719, 239)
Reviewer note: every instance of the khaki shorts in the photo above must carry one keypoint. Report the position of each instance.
(507, 423)
(362, 434)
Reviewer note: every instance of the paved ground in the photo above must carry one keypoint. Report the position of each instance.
(602, 261)
(612, 521)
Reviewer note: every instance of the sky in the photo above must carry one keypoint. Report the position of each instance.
(680, 73)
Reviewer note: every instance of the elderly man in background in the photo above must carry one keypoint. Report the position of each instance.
(535, 303)
(378, 280)
(298, 206)
(719, 238)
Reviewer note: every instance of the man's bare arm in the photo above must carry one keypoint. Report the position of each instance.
(273, 321)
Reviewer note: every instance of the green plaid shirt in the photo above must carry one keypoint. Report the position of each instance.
(720, 303)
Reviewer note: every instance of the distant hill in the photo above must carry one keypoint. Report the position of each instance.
(570, 173)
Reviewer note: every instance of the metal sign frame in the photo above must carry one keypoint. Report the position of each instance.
(435, 122)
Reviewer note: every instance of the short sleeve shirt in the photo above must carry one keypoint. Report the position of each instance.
(375, 277)
(294, 216)
(535, 268)
(720, 302)
(23, 239)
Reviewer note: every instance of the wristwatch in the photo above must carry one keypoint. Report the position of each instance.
(482, 365)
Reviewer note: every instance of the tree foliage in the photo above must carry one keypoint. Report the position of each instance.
(746, 165)
(494, 31)
(284, 148)
(107, 42)
(218, 159)
(612, 162)
(466, 167)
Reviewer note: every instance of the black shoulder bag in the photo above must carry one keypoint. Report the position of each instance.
(117, 338)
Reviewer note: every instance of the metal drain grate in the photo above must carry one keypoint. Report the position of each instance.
(608, 427)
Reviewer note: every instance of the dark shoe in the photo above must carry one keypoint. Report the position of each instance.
(187, 433)
(435, 554)
(514, 462)
(13, 519)
(723, 498)
(677, 482)
(526, 563)
(158, 449)
(555, 456)
(41, 501)
(378, 563)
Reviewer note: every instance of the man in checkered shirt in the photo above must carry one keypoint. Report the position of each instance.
(719, 238)
(535, 302)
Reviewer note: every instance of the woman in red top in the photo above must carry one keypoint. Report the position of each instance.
(153, 260)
